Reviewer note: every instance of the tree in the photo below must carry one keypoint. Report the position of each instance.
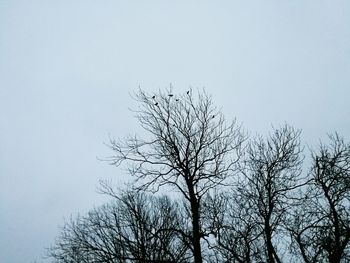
(236, 203)
(271, 174)
(235, 231)
(321, 225)
(134, 228)
(189, 147)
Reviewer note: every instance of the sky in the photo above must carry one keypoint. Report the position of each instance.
(68, 68)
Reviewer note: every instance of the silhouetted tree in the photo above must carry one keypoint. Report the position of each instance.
(235, 205)
(188, 147)
(271, 174)
(134, 228)
(229, 218)
(321, 225)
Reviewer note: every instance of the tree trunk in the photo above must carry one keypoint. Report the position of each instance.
(271, 253)
(196, 231)
(335, 257)
(269, 248)
(197, 251)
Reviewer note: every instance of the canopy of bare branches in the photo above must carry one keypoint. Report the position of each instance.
(236, 199)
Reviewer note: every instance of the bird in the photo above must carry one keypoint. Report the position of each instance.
(156, 104)
(177, 99)
(170, 95)
(154, 96)
(188, 92)
(213, 116)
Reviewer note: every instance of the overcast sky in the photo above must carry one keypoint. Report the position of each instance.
(67, 69)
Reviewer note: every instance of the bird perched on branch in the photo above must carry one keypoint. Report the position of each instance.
(170, 95)
(156, 104)
(188, 92)
(154, 96)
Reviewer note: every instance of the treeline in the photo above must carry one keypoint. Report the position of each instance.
(234, 198)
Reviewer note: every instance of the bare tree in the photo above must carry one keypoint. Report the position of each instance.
(271, 174)
(321, 225)
(229, 218)
(254, 217)
(188, 147)
(134, 228)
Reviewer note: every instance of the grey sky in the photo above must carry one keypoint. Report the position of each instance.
(67, 68)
